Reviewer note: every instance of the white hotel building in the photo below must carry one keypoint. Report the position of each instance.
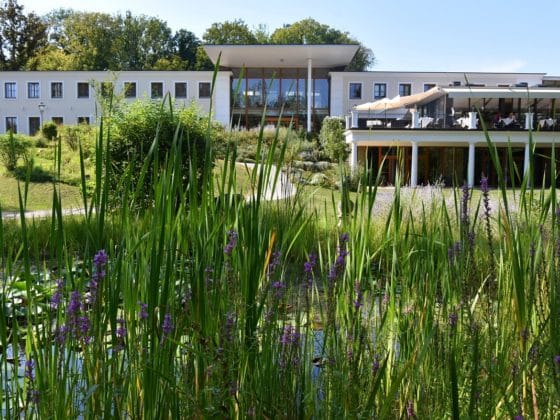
(440, 134)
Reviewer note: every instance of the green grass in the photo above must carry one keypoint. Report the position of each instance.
(40, 195)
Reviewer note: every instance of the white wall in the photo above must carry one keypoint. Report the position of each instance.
(70, 107)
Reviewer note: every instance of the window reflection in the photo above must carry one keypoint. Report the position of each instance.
(255, 92)
(289, 94)
(272, 93)
(321, 93)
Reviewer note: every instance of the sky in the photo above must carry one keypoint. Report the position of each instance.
(405, 35)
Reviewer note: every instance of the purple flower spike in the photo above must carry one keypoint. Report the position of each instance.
(56, 298)
(30, 370)
(143, 314)
(232, 242)
(167, 326)
(557, 359)
(100, 258)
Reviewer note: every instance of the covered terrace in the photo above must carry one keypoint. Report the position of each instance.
(441, 137)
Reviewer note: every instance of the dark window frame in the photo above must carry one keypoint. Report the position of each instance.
(355, 91)
(57, 90)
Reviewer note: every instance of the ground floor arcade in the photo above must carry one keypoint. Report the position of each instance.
(426, 157)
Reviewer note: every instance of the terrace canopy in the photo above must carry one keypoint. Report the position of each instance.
(402, 101)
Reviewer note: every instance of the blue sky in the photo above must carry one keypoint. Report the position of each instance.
(412, 35)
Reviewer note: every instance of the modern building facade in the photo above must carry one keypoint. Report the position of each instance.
(434, 137)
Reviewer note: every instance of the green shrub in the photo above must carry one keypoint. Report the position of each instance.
(332, 139)
(134, 128)
(41, 143)
(73, 135)
(50, 130)
(13, 147)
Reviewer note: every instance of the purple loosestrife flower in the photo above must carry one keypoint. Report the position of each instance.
(121, 330)
(100, 258)
(465, 205)
(308, 268)
(56, 298)
(143, 314)
(278, 288)
(557, 359)
(120, 334)
(232, 242)
(290, 337)
(453, 317)
(30, 370)
(340, 262)
(167, 326)
(74, 305)
(231, 320)
(375, 366)
(274, 262)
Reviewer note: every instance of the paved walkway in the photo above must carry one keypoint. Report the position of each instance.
(39, 214)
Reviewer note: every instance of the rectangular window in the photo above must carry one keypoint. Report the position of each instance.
(34, 125)
(130, 89)
(106, 89)
(83, 120)
(33, 90)
(10, 90)
(428, 86)
(58, 120)
(157, 90)
(204, 89)
(405, 89)
(56, 90)
(181, 89)
(379, 90)
(11, 124)
(83, 90)
(355, 91)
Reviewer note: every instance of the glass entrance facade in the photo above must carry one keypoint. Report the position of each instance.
(275, 96)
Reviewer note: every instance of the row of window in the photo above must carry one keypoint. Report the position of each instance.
(35, 123)
(380, 90)
(83, 90)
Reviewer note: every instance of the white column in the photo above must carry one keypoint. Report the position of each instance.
(415, 123)
(470, 167)
(348, 120)
(354, 119)
(529, 121)
(309, 94)
(526, 160)
(414, 165)
(353, 157)
(472, 120)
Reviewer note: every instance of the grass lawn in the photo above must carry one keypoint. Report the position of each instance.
(39, 196)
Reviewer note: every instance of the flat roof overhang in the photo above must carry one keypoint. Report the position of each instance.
(455, 138)
(285, 56)
(513, 92)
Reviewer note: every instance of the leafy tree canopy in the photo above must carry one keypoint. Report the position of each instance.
(312, 32)
(234, 32)
(21, 35)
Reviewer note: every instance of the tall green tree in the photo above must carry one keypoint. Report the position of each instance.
(21, 35)
(185, 45)
(89, 37)
(312, 32)
(234, 32)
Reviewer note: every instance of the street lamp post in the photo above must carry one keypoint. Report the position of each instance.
(42, 107)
